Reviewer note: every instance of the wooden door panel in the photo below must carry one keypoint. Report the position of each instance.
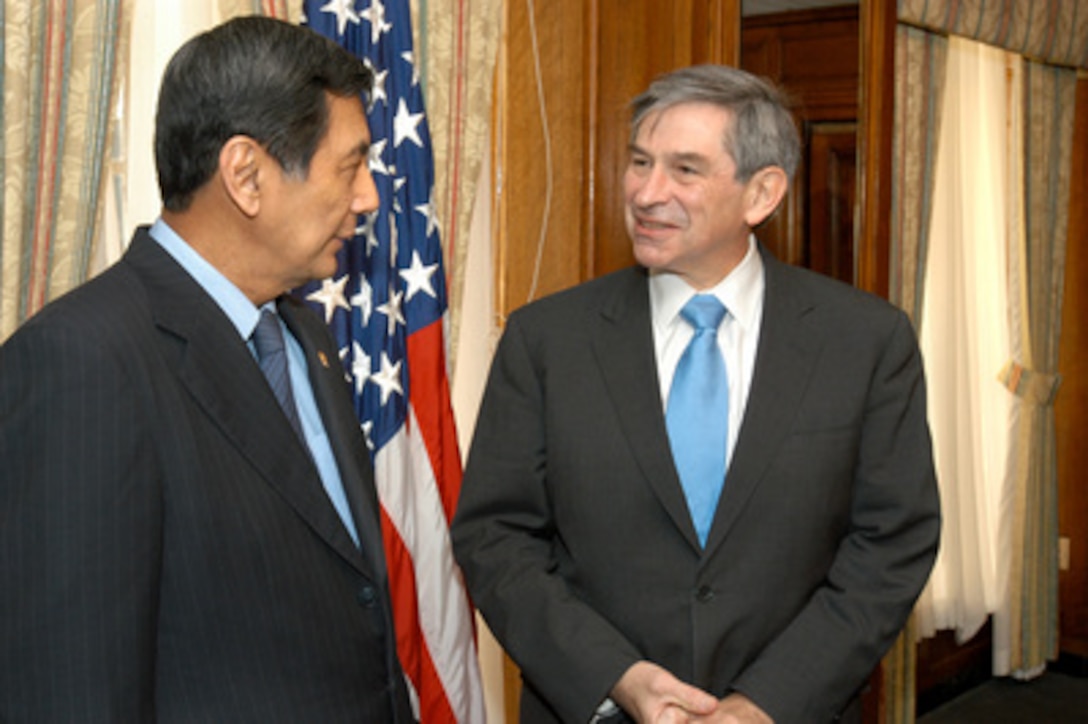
(832, 170)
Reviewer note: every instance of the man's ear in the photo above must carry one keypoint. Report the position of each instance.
(239, 160)
(764, 192)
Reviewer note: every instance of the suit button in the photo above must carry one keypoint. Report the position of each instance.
(704, 594)
(367, 596)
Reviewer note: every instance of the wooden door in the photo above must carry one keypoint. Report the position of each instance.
(813, 55)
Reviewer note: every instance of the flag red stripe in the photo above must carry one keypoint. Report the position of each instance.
(429, 396)
(412, 649)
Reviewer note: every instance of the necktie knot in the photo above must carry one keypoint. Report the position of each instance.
(704, 312)
(268, 337)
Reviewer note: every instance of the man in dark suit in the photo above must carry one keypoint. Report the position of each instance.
(181, 538)
(760, 576)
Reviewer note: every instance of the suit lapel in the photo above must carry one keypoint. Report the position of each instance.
(624, 348)
(788, 348)
(342, 427)
(214, 364)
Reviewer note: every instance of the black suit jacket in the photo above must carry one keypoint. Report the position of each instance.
(575, 538)
(167, 550)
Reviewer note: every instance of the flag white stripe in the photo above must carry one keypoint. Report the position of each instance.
(416, 513)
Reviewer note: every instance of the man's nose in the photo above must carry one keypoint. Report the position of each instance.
(365, 192)
(652, 187)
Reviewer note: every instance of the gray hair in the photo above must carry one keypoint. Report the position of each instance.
(763, 132)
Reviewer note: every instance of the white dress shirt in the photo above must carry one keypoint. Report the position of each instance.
(741, 291)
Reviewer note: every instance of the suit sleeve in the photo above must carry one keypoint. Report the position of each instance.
(504, 537)
(79, 532)
(812, 668)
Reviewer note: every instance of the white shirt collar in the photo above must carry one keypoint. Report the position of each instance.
(741, 291)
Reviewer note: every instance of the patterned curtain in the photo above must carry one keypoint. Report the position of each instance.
(1051, 31)
(289, 10)
(1049, 34)
(920, 59)
(457, 41)
(61, 61)
(1037, 274)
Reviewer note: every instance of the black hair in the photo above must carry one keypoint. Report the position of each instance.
(253, 76)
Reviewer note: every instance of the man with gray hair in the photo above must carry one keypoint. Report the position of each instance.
(701, 489)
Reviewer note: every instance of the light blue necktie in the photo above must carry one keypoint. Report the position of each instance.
(697, 414)
(272, 357)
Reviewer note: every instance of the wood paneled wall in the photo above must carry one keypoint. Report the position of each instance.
(559, 214)
(876, 123)
(540, 168)
(814, 56)
(1071, 404)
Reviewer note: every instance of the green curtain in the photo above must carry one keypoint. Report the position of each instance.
(920, 60)
(1050, 31)
(1037, 276)
(919, 82)
(1052, 34)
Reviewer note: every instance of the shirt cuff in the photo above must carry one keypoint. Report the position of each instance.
(605, 712)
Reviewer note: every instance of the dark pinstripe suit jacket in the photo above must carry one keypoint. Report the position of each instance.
(167, 551)
(574, 535)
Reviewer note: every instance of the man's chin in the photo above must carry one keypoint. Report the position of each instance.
(328, 264)
(650, 256)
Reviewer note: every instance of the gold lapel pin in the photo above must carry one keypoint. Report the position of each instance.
(323, 359)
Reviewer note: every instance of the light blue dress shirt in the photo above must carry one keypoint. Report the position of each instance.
(244, 316)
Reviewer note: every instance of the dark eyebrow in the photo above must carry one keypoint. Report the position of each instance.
(688, 157)
(361, 152)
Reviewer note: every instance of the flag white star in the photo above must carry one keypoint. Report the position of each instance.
(374, 157)
(398, 183)
(331, 295)
(367, 426)
(418, 277)
(364, 299)
(405, 125)
(344, 11)
(343, 353)
(429, 213)
(392, 312)
(375, 14)
(388, 378)
(410, 58)
(366, 229)
(377, 93)
(360, 367)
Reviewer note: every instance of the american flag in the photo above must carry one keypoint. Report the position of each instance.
(386, 306)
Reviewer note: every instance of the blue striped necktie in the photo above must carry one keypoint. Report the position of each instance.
(697, 414)
(272, 357)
